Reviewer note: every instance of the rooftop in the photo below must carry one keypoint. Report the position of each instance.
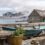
(40, 12)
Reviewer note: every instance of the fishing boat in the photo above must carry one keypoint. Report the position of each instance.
(30, 33)
(9, 28)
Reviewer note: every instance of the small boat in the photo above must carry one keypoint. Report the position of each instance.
(9, 28)
(29, 33)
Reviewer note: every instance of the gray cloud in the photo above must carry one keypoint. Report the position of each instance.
(21, 5)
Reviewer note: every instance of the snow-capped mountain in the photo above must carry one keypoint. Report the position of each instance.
(14, 18)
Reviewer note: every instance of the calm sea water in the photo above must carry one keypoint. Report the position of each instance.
(7, 21)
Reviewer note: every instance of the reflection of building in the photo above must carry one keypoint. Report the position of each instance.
(37, 16)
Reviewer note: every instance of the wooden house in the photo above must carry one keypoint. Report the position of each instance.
(37, 16)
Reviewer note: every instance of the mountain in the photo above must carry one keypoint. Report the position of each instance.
(11, 14)
(18, 17)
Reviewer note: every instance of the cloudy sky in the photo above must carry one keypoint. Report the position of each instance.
(20, 5)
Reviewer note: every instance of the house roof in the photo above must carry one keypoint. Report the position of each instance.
(40, 12)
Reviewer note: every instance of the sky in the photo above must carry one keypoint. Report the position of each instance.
(21, 5)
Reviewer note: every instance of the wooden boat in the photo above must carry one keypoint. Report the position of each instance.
(9, 28)
(29, 33)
